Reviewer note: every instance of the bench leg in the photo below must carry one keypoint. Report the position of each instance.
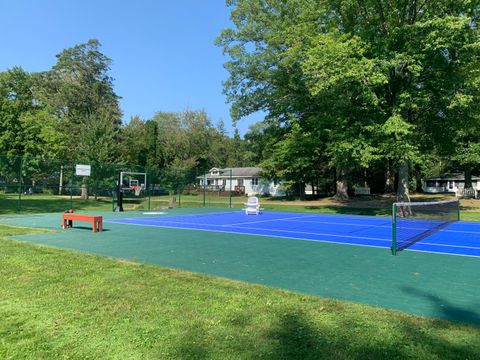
(67, 224)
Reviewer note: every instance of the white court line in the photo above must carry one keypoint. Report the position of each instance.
(293, 219)
(274, 236)
(461, 231)
(270, 220)
(439, 252)
(447, 245)
(342, 223)
(259, 229)
(347, 224)
(310, 233)
(311, 240)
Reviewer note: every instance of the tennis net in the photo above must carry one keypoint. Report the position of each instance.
(414, 221)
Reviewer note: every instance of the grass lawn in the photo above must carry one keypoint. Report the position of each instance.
(62, 304)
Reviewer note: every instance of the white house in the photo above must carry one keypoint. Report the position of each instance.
(449, 183)
(244, 180)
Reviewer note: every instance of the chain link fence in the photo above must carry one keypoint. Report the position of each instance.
(37, 184)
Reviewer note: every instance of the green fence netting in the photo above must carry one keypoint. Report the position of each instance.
(36, 184)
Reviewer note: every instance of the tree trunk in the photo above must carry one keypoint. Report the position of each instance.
(84, 189)
(60, 185)
(418, 179)
(402, 191)
(301, 191)
(468, 176)
(341, 185)
(389, 178)
(333, 186)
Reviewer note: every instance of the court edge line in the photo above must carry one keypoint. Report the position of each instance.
(219, 213)
(286, 219)
(439, 252)
(298, 232)
(274, 236)
(309, 240)
(253, 228)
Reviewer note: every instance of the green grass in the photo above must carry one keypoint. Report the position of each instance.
(470, 216)
(51, 203)
(61, 304)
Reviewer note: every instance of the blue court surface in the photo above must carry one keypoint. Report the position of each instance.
(459, 238)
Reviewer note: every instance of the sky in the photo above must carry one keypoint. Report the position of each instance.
(163, 52)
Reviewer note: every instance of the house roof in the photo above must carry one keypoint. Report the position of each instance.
(450, 177)
(235, 172)
(244, 171)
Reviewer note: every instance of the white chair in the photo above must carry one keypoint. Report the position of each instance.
(252, 206)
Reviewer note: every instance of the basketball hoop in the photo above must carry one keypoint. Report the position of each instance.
(136, 190)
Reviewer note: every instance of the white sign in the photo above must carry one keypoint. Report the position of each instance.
(82, 170)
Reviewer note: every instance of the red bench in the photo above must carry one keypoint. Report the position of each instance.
(96, 221)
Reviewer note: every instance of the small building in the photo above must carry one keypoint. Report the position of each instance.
(454, 182)
(245, 181)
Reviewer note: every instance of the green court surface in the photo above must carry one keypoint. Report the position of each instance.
(433, 285)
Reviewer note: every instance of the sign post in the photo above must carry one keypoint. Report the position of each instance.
(83, 170)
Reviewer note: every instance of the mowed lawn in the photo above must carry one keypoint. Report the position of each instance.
(57, 304)
(62, 304)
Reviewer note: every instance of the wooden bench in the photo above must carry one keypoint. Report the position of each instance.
(96, 221)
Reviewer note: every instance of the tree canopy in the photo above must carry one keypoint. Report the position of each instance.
(370, 80)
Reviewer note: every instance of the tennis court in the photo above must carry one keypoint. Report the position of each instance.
(458, 238)
(337, 256)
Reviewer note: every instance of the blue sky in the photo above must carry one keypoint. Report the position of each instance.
(163, 52)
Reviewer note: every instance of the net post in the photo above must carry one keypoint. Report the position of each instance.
(394, 229)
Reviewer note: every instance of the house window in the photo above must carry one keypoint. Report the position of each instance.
(254, 181)
(240, 182)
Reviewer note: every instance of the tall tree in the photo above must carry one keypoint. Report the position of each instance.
(26, 127)
(365, 74)
(79, 91)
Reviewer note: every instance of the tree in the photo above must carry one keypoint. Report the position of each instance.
(79, 91)
(370, 77)
(294, 160)
(27, 128)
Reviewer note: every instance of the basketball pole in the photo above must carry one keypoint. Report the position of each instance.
(119, 194)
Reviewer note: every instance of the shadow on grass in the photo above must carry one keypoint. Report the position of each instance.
(354, 337)
(27, 204)
(445, 308)
(295, 335)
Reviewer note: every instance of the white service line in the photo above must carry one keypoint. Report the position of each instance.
(310, 233)
(274, 236)
(446, 245)
(343, 224)
(270, 220)
(267, 230)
